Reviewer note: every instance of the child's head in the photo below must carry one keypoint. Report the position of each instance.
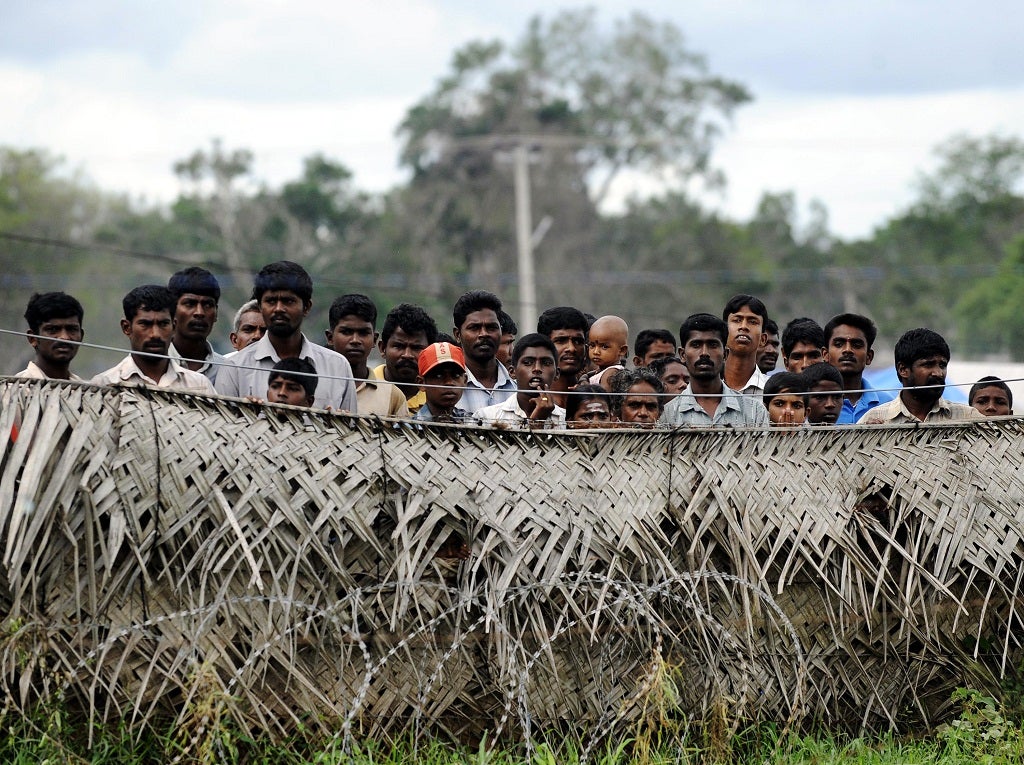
(292, 381)
(608, 341)
(824, 394)
(991, 396)
(784, 399)
(442, 364)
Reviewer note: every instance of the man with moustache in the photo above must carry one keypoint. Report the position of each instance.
(55, 329)
(477, 328)
(707, 401)
(534, 365)
(198, 295)
(148, 324)
(921, 359)
(848, 341)
(284, 292)
(566, 327)
(407, 331)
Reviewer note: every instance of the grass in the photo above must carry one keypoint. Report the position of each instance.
(981, 734)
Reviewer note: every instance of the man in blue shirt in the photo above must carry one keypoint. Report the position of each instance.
(848, 340)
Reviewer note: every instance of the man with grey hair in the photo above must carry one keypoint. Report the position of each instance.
(247, 328)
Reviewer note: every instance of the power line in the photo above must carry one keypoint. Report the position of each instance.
(592, 278)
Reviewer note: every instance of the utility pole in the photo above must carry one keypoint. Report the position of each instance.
(524, 237)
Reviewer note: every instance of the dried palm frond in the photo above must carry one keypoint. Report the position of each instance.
(166, 553)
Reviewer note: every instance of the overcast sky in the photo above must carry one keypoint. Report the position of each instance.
(851, 97)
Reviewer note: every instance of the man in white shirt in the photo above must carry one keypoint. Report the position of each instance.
(534, 366)
(148, 324)
(54, 329)
(198, 299)
(745, 317)
(285, 294)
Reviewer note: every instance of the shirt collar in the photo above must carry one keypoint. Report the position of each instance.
(264, 349)
(757, 379)
(503, 378)
(130, 369)
(207, 359)
(942, 405)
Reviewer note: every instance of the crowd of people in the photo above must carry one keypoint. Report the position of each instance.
(573, 371)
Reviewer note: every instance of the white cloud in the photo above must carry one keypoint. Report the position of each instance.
(289, 79)
(858, 155)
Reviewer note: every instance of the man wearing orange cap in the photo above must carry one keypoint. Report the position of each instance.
(442, 368)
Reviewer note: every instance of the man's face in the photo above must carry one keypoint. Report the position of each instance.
(149, 331)
(768, 356)
(675, 378)
(659, 349)
(535, 370)
(824, 403)
(281, 390)
(571, 346)
(927, 371)
(504, 353)
(194, 316)
(640, 405)
(744, 331)
(448, 375)
(992, 401)
(479, 335)
(353, 338)
(283, 312)
(704, 355)
(848, 350)
(53, 349)
(251, 328)
(802, 356)
(401, 353)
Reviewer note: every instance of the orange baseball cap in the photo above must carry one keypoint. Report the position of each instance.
(440, 353)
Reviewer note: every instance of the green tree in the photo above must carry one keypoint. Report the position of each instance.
(47, 212)
(990, 311)
(588, 102)
(973, 171)
(919, 266)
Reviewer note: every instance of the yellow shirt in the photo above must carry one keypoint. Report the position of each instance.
(381, 398)
(413, 403)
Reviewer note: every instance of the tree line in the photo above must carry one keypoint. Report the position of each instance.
(587, 101)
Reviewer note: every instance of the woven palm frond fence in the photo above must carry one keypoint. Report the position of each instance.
(165, 554)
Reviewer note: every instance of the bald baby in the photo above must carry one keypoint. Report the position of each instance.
(609, 346)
